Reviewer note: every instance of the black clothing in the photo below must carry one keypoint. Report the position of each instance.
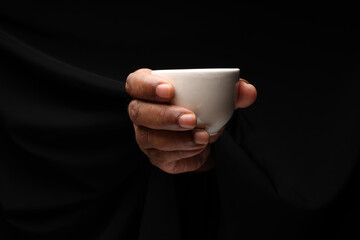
(70, 168)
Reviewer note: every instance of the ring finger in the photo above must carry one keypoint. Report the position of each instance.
(169, 140)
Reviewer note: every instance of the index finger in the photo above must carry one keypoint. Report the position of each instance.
(141, 84)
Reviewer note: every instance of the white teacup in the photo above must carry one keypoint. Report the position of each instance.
(209, 93)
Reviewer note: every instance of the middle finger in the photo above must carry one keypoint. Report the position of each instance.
(161, 116)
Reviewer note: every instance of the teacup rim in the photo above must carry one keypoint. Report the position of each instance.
(182, 70)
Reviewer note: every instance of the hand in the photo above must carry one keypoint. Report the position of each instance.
(166, 133)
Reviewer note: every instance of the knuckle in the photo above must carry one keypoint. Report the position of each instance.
(139, 84)
(128, 83)
(165, 157)
(171, 168)
(158, 163)
(178, 154)
(133, 110)
(157, 159)
(142, 137)
(156, 156)
(132, 76)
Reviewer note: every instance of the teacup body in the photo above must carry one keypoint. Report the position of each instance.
(209, 93)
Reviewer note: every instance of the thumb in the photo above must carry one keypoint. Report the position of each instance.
(246, 94)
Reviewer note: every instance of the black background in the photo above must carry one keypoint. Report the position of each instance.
(287, 167)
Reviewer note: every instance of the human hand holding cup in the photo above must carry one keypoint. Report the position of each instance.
(171, 135)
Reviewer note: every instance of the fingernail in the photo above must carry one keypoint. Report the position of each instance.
(163, 91)
(201, 137)
(187, 120)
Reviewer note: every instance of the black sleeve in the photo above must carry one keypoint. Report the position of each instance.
(68, 155)
(288, 166)
(291, 168)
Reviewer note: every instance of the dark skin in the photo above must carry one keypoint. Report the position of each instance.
(166, 133)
